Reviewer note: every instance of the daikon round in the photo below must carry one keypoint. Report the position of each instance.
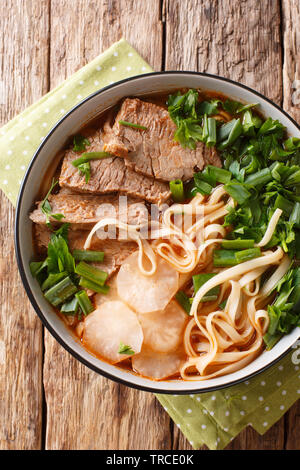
(157, 366)
(110, 325)
(146, 293)
(163, 330)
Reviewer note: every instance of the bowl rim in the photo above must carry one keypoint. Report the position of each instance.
(17, 240)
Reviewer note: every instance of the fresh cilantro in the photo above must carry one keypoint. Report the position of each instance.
(46, 207)
(85, 170)
(235, 107)
(80, 143)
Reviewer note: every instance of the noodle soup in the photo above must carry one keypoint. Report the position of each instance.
(167, 242)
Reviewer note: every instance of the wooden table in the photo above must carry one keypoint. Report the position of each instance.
(48, 399)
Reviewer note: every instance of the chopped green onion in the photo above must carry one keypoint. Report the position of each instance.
(91, 273)
(84, 302)
(246, 255)
(222, 258)
(219, 174)
(270, 340)
(202, 186)
(177, 190)
(200, 279)
(71, 307)
(237, 244)
(284, 204)
(125, 349)
(208, 107)
(205, 298)
(223, 304)
(232, 130)
(53, 279)
(184, 301)
(208, 298)
(93, 286)
(260, 177)
(295, 295)
(36, 267)
(60, 292)
(209, 131)
(238, 192)
(88, 156)
(131, 124)
(295, 215)
(88, 255)
(293, 179)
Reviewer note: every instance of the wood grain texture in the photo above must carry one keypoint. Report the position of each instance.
(76, 39)
(239, 40)
(24, 51)
(84, 410)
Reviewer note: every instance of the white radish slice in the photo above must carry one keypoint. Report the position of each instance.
(108, 326)
(163, 330)
(157, 366)
(146, 293)
(112, 294)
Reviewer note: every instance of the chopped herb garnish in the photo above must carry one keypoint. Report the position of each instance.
(177, 190)
(284, 313)
(46, 206)
(70, 307)
(132, 124)
(87, 284)
(88, 255)
(80, 143)
(61, 291)
(83, 163)
(199, 280)
(88, 156)
(84, 302)
(184, 301)
(85, 170)
(91, 273)
(125, 349)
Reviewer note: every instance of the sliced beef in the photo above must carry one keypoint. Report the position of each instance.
(110, 175)
(82, 211)
(153, 152)
(115, 251)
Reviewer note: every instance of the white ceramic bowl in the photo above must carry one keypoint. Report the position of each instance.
(39, 169)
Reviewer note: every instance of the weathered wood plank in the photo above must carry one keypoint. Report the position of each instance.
(240, 40)
(291, 103)
(84, 410)
(80, 34)
(24, 51)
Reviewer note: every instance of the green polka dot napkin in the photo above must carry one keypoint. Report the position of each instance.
(215, 418)
(209, 418)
